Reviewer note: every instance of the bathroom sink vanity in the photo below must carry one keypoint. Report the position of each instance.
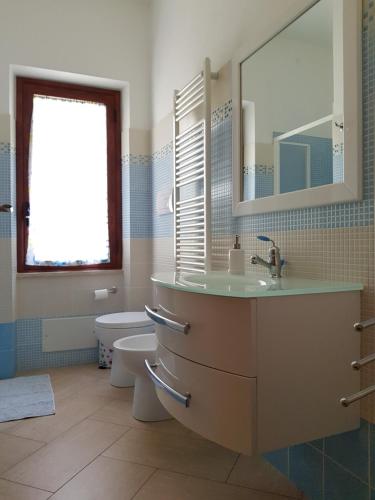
(256, 364)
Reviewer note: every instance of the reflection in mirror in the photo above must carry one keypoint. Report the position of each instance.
(292, 108)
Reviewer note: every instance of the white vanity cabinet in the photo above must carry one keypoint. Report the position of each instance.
(259, 373)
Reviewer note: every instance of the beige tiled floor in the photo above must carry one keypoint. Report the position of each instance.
(94, 449)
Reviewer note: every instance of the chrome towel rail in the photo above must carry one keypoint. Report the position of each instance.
(362, 325)
(357, 396)
(357, 365)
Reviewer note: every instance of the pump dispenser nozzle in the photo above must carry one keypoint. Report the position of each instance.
(237, 244)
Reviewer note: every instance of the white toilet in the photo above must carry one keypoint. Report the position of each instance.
(111, 327)
(132, 352)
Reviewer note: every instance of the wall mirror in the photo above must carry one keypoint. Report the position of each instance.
(297, 113)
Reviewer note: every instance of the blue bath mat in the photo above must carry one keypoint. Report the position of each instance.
(24, 397)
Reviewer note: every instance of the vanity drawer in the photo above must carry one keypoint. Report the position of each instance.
(222, 331)
(221, 406)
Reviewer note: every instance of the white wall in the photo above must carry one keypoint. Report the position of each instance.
(184, 32)
(106, 38)
(102, 38)
(291, 83)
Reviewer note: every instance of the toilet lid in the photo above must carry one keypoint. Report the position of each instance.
(124, 320)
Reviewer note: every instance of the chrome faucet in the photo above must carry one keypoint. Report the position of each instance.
(274, 262)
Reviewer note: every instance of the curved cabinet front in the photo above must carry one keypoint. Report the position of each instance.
(260, 374)
(221, 407)
(221, 334)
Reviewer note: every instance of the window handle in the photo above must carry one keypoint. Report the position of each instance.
(26, 212)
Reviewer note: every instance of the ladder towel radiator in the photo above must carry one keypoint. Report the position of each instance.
(192, 174)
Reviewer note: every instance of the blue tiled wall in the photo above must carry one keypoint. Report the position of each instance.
(335, 468)
(258, 182)
(223, 222)
(260, 179)
(264, 184)
(162, 172)
(7, 350)
(320, 155)
(7, 220)
(29, 349)
(221, 154)
(137, 199)
(330, 216)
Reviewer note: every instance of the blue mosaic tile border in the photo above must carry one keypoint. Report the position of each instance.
(166, 150)
(221, 113)
(338, 215)
(136, 160)
(29, 349)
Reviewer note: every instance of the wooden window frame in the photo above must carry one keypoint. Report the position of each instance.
(26, 88)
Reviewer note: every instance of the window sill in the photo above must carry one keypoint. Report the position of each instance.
(64, 274)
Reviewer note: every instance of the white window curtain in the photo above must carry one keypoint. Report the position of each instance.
(68, 222)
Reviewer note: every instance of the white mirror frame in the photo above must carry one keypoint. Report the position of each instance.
(351, 189)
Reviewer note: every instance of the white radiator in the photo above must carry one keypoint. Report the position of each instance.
(64, 334)
(192, 174)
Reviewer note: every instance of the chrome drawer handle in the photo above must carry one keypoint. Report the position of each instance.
(358, 395)
(184, 399)
(361, 325)
(161, 320)
(357, 365)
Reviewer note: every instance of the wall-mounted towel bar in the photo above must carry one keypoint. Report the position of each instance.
(362, 325)
(357, 365)
(357, 396)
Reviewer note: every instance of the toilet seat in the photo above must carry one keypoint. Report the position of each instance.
(111, 327)
(115, 326)
(123, 320)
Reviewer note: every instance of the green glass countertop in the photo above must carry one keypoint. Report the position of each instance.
(248, 285)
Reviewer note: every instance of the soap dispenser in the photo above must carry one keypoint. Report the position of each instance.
(236, 258)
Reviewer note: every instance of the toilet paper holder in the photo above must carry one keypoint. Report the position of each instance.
(113, 289)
